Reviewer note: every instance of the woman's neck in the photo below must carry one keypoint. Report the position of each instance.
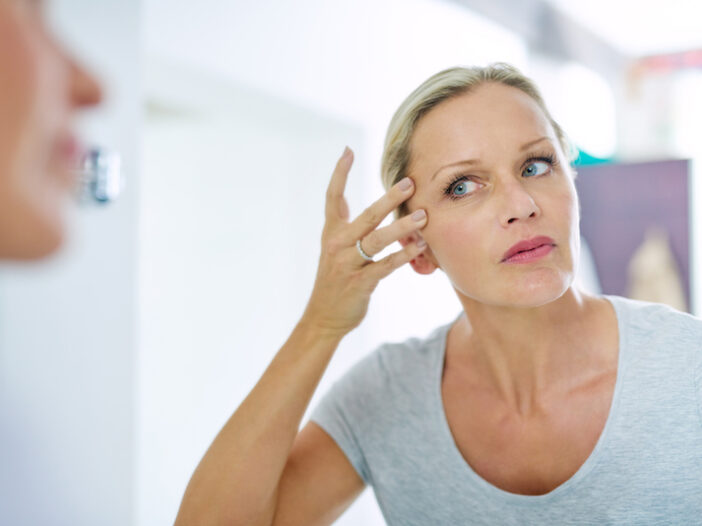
(527, 356)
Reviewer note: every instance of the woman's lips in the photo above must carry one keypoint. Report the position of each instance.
(527, 244)
(68, 149)
(65, 161)
(530, 255)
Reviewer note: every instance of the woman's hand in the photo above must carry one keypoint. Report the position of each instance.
(345, 280)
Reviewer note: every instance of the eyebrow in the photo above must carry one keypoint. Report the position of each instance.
(477, 161)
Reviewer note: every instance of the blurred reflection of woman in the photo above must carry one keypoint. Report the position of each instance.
(41, 87)
(538, 404)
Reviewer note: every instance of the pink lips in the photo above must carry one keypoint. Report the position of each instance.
(529, 245)
(68, 149)
(65, 159)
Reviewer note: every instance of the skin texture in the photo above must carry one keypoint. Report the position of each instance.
(41, 88)
(525, 326)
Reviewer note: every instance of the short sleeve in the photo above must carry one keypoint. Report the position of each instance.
(345, 414)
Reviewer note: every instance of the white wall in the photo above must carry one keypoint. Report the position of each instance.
(68, 332)
(232, 209)
(233, 203)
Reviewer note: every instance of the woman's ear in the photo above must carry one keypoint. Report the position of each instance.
(424, 263)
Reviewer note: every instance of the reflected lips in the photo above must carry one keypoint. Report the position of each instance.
(529, 250)
(68, 149)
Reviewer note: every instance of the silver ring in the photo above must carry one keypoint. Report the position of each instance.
(363, 254)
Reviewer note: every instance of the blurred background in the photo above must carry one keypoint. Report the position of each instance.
(121, 357)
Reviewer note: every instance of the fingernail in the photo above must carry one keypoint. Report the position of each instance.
(347, 151)
(405, 183)
(421, 243)
(419, 215)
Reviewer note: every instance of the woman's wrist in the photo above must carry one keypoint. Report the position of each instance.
(316, 329)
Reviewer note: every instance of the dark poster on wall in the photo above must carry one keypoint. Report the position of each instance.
(635, 219)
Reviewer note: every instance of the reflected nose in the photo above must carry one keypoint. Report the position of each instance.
(85, 88)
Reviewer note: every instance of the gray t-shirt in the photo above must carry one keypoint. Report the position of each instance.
(386, 415)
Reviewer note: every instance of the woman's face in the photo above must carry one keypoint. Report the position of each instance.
(40, 89)
(476, 212)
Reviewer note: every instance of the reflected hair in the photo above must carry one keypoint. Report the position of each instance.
(442, 86)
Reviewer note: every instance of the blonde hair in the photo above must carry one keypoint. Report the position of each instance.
(444, 85)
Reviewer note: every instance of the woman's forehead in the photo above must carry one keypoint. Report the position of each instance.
(486, 122)
(481, 116)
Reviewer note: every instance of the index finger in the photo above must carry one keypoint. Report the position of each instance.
(336, 207)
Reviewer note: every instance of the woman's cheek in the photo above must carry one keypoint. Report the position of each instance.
(47, 103)
(19, 79)
(33, 104)
(18, 71)
(564, 202)
(452, 239)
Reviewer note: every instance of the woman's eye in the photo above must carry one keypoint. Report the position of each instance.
(460, 188)
(531, 170)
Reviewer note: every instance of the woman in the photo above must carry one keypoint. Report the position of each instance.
(538, 404)
(41, 87)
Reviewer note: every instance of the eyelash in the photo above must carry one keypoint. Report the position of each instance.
(546, 157)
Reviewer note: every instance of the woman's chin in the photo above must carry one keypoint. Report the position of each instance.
(537, 294)
(35, 246)
(531, 289)
(50, 244)
(32, 234)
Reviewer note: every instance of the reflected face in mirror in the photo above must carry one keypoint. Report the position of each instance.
(490, 172)
(41, 87)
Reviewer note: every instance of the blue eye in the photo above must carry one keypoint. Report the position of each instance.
(459, 186)
(530, 171)
(460, 182)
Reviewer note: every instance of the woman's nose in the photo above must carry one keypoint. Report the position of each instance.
(517, 203)
(85, 88)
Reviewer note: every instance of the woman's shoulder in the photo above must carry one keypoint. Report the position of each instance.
(415, 351)
(658, 319)
(402, 360)
(663, 332)
(660, 326)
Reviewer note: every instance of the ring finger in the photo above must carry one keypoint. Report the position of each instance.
(378, 239)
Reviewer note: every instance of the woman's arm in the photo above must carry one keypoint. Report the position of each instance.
(239, 479)
(236, 481)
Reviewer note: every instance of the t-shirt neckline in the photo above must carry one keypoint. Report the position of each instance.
(472, 477)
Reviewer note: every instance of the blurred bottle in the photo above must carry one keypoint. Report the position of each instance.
(653, 274)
